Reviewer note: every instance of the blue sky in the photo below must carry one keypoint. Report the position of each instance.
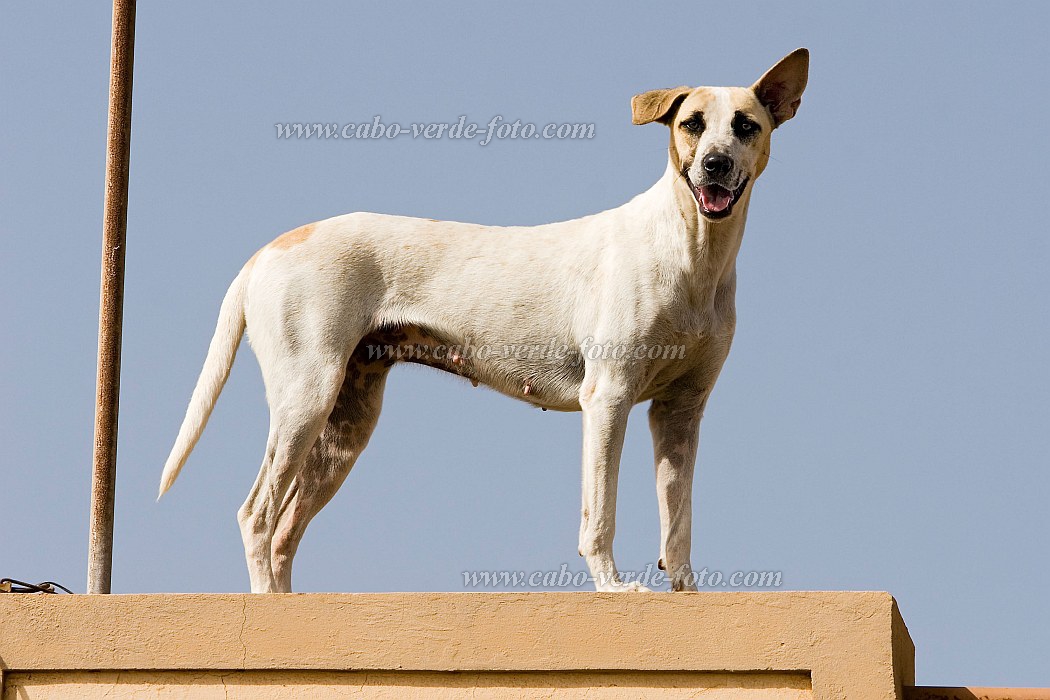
(881, 422)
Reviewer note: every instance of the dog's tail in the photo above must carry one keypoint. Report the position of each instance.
(216, 370)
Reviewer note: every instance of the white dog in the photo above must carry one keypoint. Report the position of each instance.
(330, 306)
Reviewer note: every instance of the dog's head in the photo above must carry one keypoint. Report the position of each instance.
(720, 136)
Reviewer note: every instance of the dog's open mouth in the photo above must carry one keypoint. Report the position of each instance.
(716, 201)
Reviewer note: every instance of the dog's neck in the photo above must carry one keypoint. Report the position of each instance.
(703, 251)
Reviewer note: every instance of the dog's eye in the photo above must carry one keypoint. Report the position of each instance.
(744, 127)
(693, 124)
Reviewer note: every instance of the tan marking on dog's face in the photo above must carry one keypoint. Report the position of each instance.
(292, 238)
(719, 121)
(720, 135)
(714, 110)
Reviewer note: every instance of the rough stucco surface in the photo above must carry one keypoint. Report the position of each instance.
(848, 645)
(310, 685)
(903, 652)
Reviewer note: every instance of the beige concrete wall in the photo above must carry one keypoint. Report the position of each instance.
(446, 685)
(533, 645)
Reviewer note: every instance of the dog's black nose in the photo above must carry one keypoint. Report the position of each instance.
(717, 164)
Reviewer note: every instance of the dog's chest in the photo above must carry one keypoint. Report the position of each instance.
(694, 339)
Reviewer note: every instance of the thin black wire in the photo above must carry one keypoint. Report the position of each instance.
(23, 587)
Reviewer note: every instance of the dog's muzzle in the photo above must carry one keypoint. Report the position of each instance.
(718, 188)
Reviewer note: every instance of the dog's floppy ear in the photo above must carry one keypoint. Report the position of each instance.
(657, 105)
(780, 89)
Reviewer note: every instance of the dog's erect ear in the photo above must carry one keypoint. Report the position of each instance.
(657, 105)
(780, 89)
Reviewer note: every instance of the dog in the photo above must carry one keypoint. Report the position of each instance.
(656, 272)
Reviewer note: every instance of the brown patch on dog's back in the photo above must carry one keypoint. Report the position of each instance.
(283, 242)
(293, 237)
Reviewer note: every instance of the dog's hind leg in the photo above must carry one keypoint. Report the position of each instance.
(301, 394)
(341, 442)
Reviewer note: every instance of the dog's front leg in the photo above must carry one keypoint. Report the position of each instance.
(675, 425)
(606, 401)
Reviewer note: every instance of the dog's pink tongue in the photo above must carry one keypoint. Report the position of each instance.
(715, 198)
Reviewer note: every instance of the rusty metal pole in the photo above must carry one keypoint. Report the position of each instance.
(111, 299)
